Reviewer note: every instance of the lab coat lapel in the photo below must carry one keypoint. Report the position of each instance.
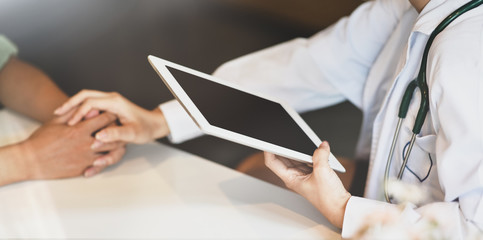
(380, 84)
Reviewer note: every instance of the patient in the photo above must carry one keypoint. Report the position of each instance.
(55, 150)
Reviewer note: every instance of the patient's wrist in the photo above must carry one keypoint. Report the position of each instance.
(13, 164)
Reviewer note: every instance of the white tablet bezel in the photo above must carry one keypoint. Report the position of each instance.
(159, 66)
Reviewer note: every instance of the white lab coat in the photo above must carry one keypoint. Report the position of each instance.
(369, 58)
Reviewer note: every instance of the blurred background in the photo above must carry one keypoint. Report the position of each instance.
(103, 44)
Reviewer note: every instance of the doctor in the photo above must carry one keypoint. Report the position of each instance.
(367, 58)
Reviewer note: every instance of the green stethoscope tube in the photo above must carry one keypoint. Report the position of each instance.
(419, 82)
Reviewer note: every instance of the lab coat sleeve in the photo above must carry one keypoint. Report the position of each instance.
(313, 73)
(346, 51)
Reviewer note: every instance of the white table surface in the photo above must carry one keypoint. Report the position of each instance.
(158, 192)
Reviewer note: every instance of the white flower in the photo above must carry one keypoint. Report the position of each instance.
(404, 193)
(383, 225)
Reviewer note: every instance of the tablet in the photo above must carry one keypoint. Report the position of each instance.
(230, 112)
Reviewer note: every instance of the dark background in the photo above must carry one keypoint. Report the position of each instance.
(103, 44)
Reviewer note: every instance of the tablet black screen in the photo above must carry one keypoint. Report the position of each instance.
(244, 113)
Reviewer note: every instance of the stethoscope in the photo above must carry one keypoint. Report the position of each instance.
(419, 82)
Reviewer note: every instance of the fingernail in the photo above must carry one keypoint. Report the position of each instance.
(96, 144)
(100, 162)
(325, 144)
(101, 135)
(90, 172)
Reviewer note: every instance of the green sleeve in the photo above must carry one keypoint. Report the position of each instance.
(7, 49)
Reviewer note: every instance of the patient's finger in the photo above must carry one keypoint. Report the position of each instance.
(79, 114)
(110, 158)
(124, 133)
(78, 99)
(93, 170)
(92, 113)
(96, 123)
(100, 146)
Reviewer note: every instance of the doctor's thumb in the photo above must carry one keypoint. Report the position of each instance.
(321, 156)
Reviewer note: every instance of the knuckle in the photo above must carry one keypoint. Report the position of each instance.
(88, 102)
(119, 98)
(84, 92)
(99, 169)
(268, 163)
(114, 94)
(110, 160)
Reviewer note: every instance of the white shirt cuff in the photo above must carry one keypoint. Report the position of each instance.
(180, 124)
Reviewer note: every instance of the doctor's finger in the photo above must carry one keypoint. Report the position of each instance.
(103, 104)
(274, 164)
(62, 119)
(78, 99)
(279, 167)
(94, 124)
(321, 156)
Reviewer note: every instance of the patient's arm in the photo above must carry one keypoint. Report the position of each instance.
(29, 91)
(55, 150)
